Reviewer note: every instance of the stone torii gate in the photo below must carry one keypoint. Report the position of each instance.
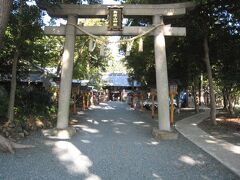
(156, 11)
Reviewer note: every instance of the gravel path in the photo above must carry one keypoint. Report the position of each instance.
(113, 142)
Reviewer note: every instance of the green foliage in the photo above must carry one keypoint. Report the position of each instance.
(34, 102)
(219, 20)
(140, 65)
(50, 50)
(227, 63)
(237, 110)
(23, 32)
(89, 65)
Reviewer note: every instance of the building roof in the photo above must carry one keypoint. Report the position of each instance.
(118, 79)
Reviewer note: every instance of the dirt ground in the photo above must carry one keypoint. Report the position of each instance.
(227, 128)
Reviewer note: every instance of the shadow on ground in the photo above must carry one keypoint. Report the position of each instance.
(113, 142)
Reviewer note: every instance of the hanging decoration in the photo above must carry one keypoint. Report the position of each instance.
(102, 50)
(129, 47)
(140, 45)
(92, 45)
(103, 42)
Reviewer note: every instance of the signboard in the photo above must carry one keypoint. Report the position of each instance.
(115, 17)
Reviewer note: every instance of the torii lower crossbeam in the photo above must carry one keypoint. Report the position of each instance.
(127, 31)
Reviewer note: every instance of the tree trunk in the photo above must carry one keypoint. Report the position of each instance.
(14, 70)
(225, 100)
(187, 95)
(230, 103)
(196, 102)
(13, 88)
(210, 81)
(200, 91)
(5, 7)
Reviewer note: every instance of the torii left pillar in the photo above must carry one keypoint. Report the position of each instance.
(66, 74)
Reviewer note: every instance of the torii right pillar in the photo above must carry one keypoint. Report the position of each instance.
(161, 75)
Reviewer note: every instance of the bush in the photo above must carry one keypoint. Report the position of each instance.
(33, 102)
(237, 110)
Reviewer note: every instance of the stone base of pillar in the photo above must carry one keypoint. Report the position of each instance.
(59, 133)
(164, 135)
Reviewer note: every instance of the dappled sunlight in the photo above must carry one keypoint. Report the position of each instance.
(138, 122)
(189, 160)
(87, 129)
(142, 124)
(49, 143)
(130, 109)
(118, 123)
(188, 109)
(117, 131)
(221, 135)
(227, 146)
(80, 112)
(106, 120)
(208, 136)
(93, 177)
(59, 134)
(237, 134)
(156, 176)
(211, 141)
(152, 142)
(108, 108)
(74, 121)
(85, 141)
(103, 104)
(234, 148)
(93, 121)
(94, 107)
(230, 147)
(72, 158)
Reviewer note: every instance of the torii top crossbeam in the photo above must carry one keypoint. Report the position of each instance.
(129, 10)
